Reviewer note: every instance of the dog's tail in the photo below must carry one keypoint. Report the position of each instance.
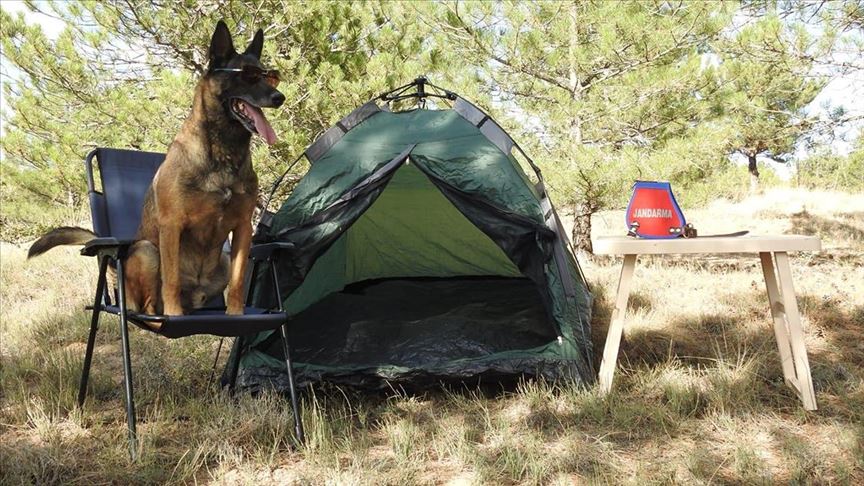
(64, 235)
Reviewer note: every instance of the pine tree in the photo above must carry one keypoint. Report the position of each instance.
(122, 73)
(594, 81)
(769, 79)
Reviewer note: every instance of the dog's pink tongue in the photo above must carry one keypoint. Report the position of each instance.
(262, 126)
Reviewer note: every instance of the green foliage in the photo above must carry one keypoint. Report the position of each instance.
(612, 89)
(842, 173)
(122, 75)
(598, 93)
(607, 92)
(695, 165)
(765, 72)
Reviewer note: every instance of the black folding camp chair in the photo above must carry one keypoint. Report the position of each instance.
(125, 176)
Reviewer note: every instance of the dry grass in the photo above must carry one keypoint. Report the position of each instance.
(698, 398)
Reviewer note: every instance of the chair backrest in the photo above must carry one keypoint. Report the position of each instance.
(125, 176)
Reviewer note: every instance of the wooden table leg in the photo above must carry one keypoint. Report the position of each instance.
(616, 326)
(796, 335)
(778, 313)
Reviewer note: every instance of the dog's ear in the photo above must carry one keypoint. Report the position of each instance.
(221, 46)
(256, 45)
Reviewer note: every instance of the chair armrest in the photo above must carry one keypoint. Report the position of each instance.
(106, 246)
(265, 251)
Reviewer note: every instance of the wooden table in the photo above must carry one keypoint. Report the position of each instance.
(773, 252)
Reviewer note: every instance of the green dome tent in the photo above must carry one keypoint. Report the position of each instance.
(421, 251)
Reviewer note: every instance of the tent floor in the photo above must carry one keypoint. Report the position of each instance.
(420, 322)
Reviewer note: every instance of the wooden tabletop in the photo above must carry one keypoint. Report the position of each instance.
(626, 245)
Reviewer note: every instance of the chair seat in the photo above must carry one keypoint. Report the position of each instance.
(211, 321)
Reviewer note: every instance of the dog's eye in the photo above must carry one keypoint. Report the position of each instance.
(252, 75)
(272, 78)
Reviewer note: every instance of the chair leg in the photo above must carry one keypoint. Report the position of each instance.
(235, 365)
(127, 362)
(215, 363)
(298, 420)
(94, 325)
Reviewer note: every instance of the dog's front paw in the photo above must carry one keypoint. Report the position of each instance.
(171, 310)
(234, 311)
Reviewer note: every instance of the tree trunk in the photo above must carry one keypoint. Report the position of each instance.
(582, 227)
(575, 86)
(582, 211)
(754, 173)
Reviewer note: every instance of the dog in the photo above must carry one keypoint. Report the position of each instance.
(205, 189)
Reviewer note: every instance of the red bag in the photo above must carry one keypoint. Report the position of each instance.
(653, 212)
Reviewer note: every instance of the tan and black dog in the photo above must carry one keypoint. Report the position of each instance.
(205, 189)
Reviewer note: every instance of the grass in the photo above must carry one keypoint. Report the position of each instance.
(698, 397)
